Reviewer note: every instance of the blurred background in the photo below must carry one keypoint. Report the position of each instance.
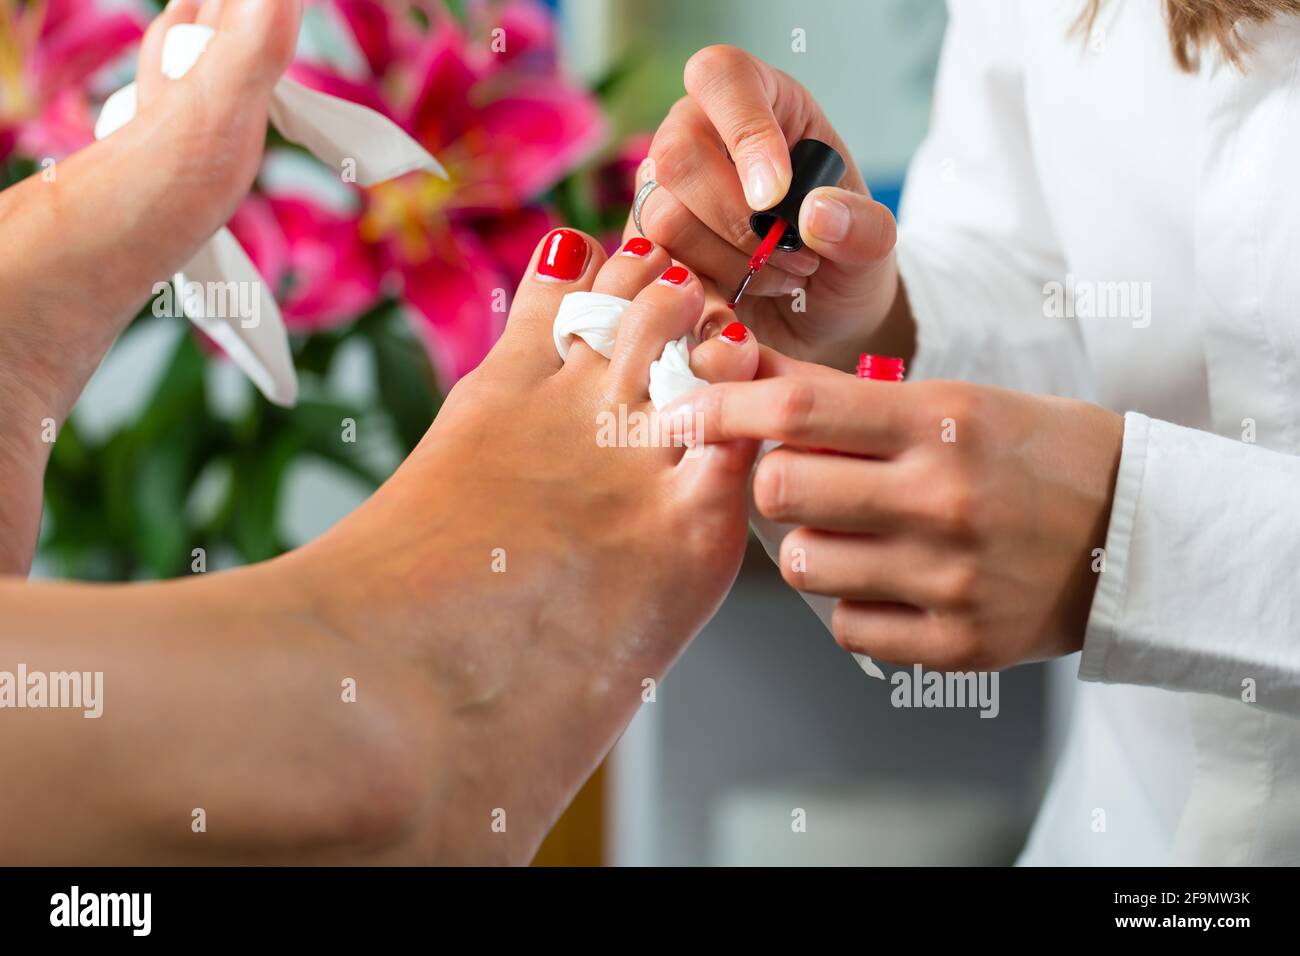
(766, 744)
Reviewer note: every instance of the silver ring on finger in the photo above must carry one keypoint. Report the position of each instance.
(642, 195)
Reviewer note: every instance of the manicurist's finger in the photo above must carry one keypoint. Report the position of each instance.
(903, 635)
(772, 364)
(888, 633)
(837, 413)
(672, 224)
(850, 231)
(839, 493)
(736, 92)
(895, 569)
(690, 162)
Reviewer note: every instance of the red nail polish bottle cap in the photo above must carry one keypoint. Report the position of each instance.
(880, 368)
(812, 164)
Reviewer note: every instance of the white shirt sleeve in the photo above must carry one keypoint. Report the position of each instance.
(976, 245)
(1199, 590)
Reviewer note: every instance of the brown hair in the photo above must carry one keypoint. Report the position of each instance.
(1192, 23)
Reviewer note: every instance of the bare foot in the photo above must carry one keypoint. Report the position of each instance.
(538, 578)
(118, 217)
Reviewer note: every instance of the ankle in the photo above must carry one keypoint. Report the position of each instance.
(30, 427)
(530, 694)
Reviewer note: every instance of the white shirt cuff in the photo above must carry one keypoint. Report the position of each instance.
(1108, 601)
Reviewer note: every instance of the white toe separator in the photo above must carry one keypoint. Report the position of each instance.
(337, 132)
(594, 317)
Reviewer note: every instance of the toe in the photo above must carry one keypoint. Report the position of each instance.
(666, 309)
(210, 13)
(565, 261)
(730, 356)
(255, 39)
(716, 476)
(148, 74)
(638, 263)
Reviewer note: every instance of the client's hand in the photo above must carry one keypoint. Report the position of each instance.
(536, 576)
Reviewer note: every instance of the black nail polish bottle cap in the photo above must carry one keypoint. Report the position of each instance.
(813, 164)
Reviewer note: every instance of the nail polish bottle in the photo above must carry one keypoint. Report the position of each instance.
(813, 164)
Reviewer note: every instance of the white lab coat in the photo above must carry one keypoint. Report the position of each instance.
(1058, 160)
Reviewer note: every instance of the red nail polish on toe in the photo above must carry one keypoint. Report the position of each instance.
(735, 332)
(564, 255)
(636, 246)
(675, 275)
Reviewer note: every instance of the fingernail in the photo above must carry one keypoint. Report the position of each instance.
(637, 246)
(801, 263)
(790, 285)
(736, 333)
(828, 219)
(675, 275)
(709, 330)
(760, 186)
(564, 256)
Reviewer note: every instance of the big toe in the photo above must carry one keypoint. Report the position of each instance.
(565, 261)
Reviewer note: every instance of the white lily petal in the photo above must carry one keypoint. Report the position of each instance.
(337, 132)
(258, 343)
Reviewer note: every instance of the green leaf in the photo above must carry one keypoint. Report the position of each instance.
(255, 496)
(161, 475)
(407, 386)
(320, 428)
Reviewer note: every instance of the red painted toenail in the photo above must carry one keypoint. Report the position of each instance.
(636, 246)
(564, 255)
(676, 275)
(735, 332)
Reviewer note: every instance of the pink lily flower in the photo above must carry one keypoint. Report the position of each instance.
(505, 123)
(50, 50)
(312, 257)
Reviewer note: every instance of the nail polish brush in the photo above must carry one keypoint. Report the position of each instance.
(759, 259)
(812, 164)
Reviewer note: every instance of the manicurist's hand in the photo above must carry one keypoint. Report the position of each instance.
(723, 151)
(957, 523)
